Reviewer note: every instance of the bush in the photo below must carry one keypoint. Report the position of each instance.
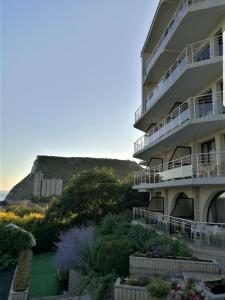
(99, 286)
(164, 247)
(46, 235)
(23, 271)
(113, 257)
(140, 236)
(158, 288)
(63, 281)
(72, 246)
(28, 221)
(7, 261)
(117, 225)
(23, 209)
(13, 241)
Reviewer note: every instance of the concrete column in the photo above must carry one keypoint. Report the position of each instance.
(196, 197)
(166, 202)
(217, 100)
(220, 146)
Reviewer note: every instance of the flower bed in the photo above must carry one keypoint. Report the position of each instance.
(125, 291)
(20, 284)
(144, 264)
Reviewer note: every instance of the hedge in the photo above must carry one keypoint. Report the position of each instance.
(23, 271)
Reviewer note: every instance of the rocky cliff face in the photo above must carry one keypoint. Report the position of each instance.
(63, 168)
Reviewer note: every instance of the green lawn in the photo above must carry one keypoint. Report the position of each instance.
(44, 276)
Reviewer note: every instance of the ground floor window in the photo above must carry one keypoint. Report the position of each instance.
(216, 212)
(184, 207)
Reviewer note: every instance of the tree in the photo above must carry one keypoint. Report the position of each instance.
(91, 195)
(88, 197)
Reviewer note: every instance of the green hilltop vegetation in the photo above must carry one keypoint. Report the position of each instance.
(65, 168)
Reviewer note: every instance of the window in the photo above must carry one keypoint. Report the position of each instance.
(207, 149)
(217, 209)
(205, 104)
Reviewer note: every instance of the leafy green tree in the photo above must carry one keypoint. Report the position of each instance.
(129, 197)
(88, 197)
(91, 195)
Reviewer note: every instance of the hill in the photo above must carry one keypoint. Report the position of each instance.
(63, 168)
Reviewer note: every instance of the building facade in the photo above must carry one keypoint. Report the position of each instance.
(44, 187)
(182, 114)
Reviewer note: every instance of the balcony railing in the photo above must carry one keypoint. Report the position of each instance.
(171, 27)
(200, 165)
(196, 52)
(203, 233)
(193, 108)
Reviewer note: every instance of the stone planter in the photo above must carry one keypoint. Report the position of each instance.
(127, 292)
(148, 265)
(17, 295)
(210, 296)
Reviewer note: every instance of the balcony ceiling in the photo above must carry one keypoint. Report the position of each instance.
(162, 17)
(192, 79)
(194, 26)
(182, 135)
(182, 183)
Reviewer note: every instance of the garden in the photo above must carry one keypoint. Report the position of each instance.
(85, 245)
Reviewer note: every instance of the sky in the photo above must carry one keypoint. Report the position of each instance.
(70, 79)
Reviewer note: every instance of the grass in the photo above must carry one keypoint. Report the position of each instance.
(44, 276)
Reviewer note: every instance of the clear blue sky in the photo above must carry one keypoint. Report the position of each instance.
(71, 78)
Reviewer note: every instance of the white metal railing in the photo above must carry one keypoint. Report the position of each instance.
(194, 107)
(199, 165)
(206, 233)
(193, 53)
(170, 28)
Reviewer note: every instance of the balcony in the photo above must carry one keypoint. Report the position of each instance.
(195, 111)
(202, 60)
(173, 39)
(200, 233)
(195, 169)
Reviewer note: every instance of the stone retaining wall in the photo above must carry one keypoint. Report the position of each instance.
(140, 265)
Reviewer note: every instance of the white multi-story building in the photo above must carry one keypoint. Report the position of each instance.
(182, 114)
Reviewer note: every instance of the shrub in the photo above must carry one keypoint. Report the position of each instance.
(141, 280)
(72, 245)
(63, 281)
(117, 225)
(23, 271)
(140, 236)
(46, 235)
(7, 261)
(158, 288)
(97, 285)
(113, 257)
(23, 209)
(28, 221)
(164, 247)
(132, 282)
(13, 241)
